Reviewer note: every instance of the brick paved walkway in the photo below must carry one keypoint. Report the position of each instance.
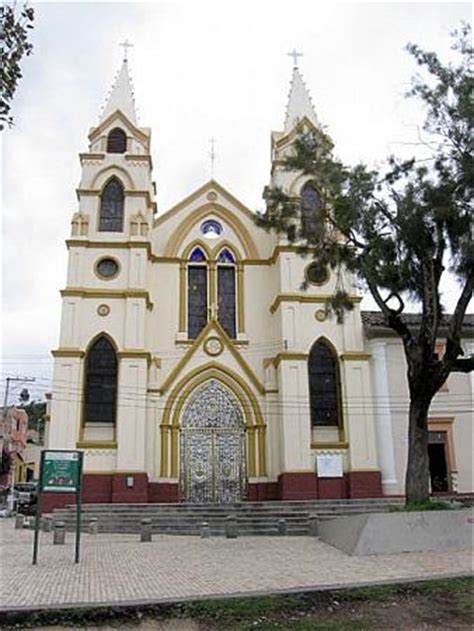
(120, 569)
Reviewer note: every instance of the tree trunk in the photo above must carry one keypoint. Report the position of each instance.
(418, 473)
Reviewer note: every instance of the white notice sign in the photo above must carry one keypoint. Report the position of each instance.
(329, 465)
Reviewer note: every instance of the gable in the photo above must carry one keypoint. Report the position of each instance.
(181, 225)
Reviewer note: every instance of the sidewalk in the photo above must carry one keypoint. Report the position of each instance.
(118, 569)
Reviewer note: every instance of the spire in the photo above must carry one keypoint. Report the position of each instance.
(121, 96)
(299, 101)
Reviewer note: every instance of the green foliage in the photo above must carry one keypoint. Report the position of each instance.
(427, 505)
(36, 411)
(398, 231)
(422, 506)
(395, 229)
(15, 45)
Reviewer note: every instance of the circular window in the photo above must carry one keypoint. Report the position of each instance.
(211, 229)
(317, 273)
(107, 268)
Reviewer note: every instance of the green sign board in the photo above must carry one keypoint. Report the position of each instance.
(60, 471)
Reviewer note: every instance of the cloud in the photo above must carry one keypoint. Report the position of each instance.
(200, 69)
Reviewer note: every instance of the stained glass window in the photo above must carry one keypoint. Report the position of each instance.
(226, 298)
(111, 207)
(317, 273)
(226, 256)
(116, 141)
(197, 299)
(107, 268)
(323, 372)
(311, 206)
(197, 256)
(211, 229)
(100, 383)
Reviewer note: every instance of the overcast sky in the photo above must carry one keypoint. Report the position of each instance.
(200, 70)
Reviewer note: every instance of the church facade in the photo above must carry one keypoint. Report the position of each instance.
(192, 366)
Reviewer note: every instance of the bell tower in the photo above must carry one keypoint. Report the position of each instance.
(311, 336)
(101, 364)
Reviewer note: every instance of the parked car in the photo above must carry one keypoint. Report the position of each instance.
(26, 495)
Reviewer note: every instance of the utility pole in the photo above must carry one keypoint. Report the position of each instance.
(7, 441)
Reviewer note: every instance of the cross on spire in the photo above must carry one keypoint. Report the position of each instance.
(212, 155)
(295, 56)
(125, 45)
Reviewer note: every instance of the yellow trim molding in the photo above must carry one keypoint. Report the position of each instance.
(181, 231)
(211, 186)
(96, 444)
(115, 171)
(255, 426)
(119, 245)
(139, 157)
(135, 354)
(286, 138)
(355, 356)
(212, 326)
(288, 356)
(135, 131)
(68, 352)
(86, 292)
(83, 157)
(333, 445)
(306, 299)
(127, 192)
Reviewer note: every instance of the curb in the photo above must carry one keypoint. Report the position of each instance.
(21, 613)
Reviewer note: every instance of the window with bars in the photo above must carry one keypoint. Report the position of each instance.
(111, 207)
(324, 390)
(100, 383)
(311, 206)
(116, 141)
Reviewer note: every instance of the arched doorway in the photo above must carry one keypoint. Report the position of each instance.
(212, 446)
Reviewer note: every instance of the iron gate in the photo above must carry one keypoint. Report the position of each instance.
(212, 446)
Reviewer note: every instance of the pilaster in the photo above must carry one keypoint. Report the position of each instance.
(131, 414)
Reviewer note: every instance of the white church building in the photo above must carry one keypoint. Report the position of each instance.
(191, 364)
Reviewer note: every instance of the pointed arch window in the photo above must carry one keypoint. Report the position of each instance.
(197, 292)
(311, 208)
(226, 291)
(116, 141)
(111, 207)
(324, 386)
(100, 394)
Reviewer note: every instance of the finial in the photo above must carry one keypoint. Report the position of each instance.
(212, 155)
(125, 45)
(295, 56)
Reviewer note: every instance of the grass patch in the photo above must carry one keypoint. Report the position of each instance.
(308, 625)
(359, 609)
(235, 609)
(461, 584)
(424, 505)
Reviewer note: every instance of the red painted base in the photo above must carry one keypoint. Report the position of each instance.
(104, 488)
(262, 491)
(297, 486)
(332, 488)
(361, 484)
(134, 488)
(163, 492)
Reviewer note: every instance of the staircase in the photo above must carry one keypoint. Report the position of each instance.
(253, 518)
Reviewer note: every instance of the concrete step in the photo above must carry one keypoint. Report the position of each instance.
(253, 518)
